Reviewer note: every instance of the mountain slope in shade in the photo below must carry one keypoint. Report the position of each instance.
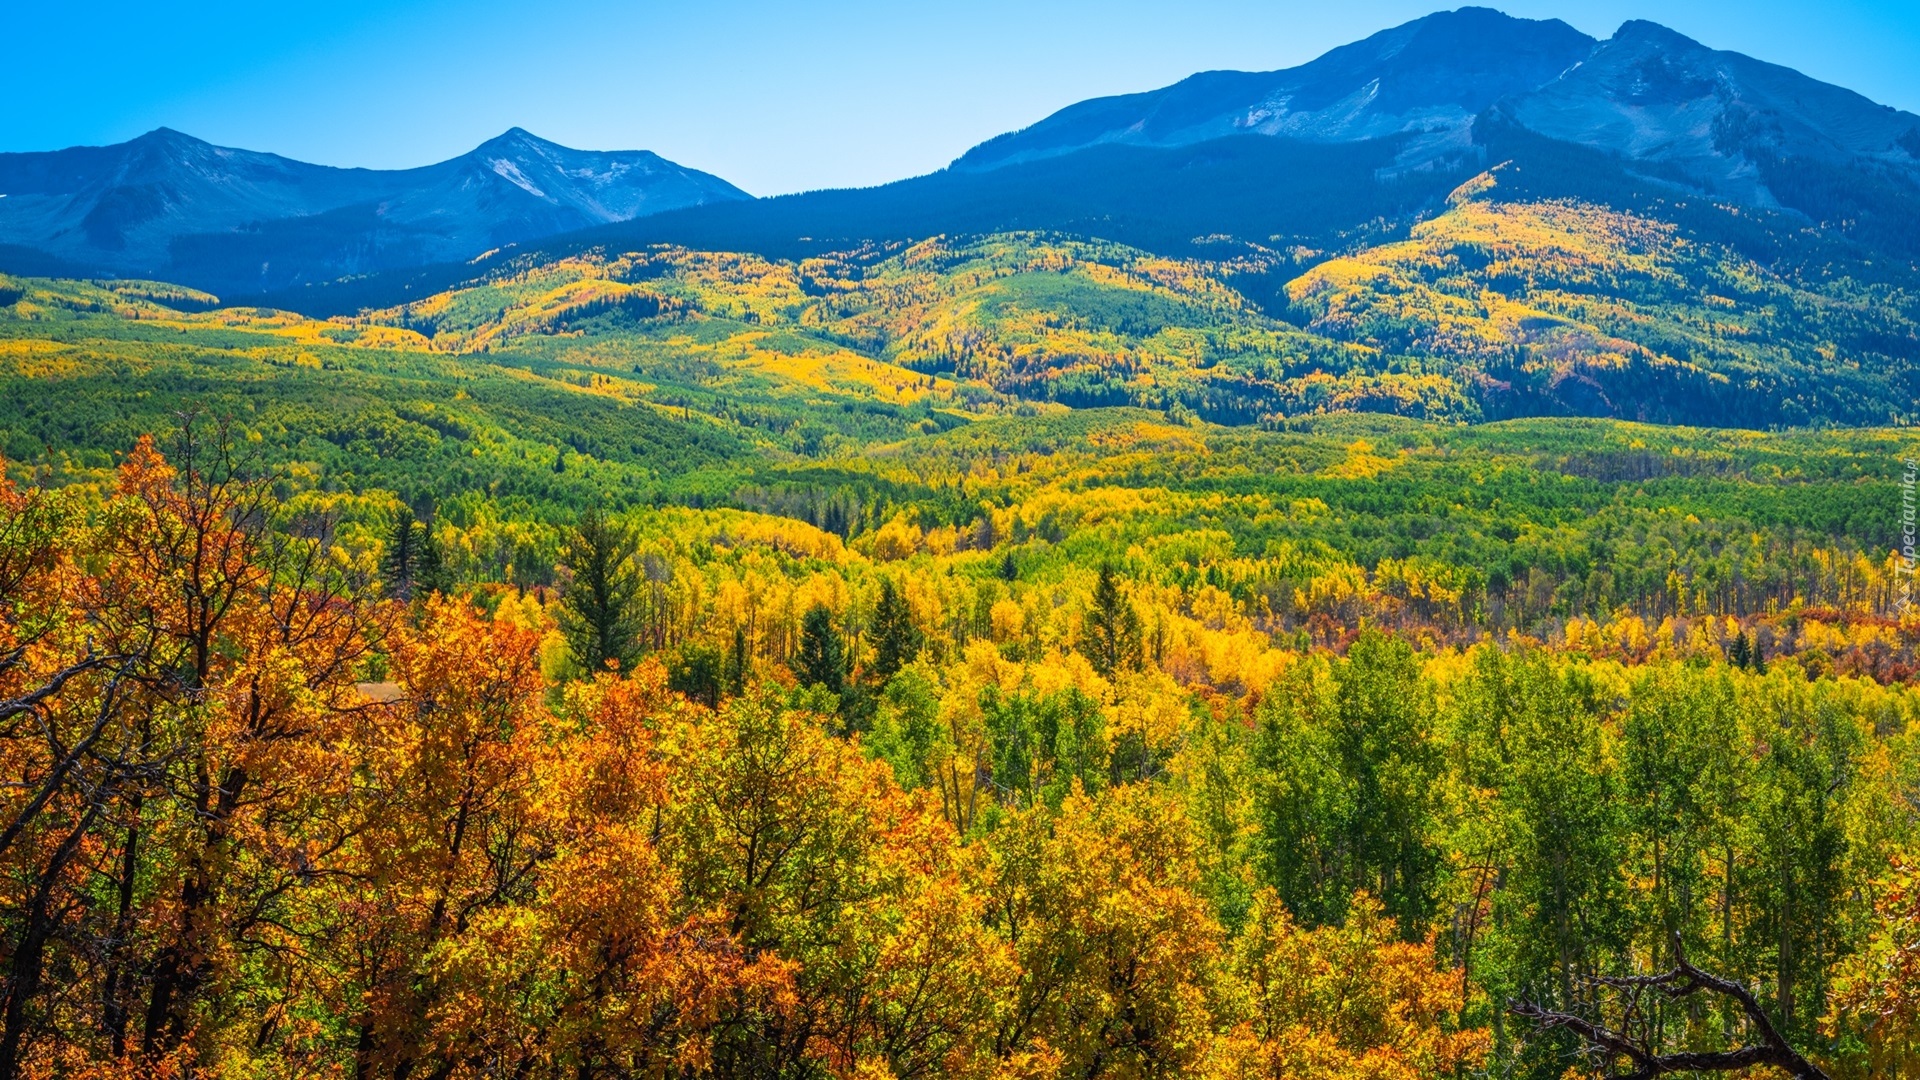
(1429, 77)
(170, 205)
(1701, 120)
(1726, 122)
(517, 182)
(121, 203)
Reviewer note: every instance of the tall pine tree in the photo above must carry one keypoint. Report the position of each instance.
(896, 640)
(739, 662)
(400, 562)
(1110, 637)
(430, 572)
(822, 659)
(598, 614)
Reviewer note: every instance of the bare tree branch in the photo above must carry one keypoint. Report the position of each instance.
(54, 683)
(1682, 981)
(58, 773)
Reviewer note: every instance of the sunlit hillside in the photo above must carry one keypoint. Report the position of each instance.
(1490, 309)
(1562, 306)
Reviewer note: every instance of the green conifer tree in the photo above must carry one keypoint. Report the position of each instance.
(431, 573)
(598, 613)
(822, 659)
(1739, 653)
(1110, 637)
(896, 640)
(739, 663)
(399, 563)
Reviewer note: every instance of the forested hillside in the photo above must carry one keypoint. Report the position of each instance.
(1504, 305)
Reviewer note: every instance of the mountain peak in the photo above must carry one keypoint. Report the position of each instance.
(521, 144)
(166, 136)
(1636, 31)
(518, 135)
(516, 138)
(1721, 123)
(1482, 20)
(1426, 79)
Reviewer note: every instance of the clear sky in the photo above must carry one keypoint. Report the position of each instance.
(774, 96)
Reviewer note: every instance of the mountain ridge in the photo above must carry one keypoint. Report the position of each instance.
(167, 201)
(1722, 123)
(1219, 157)
(1428, 76)
(1652, 94)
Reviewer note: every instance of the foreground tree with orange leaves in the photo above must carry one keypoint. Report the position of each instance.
(1349, 1001)
(182, 674)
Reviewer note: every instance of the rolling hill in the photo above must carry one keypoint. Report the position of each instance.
(1504, 304)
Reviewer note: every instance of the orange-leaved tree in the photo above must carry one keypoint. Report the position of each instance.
(1350, 1001)
(182, 683)
(598, 965)
(1876, 995)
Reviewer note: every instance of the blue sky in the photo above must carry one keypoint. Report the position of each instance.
(774, 96)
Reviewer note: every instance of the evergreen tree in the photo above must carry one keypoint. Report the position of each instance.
(1739, 653)
(822, 659)
(1110, 637)
(896, 640)
(1009, 570)
(598, 614)
(431, 573)
(400, 563)
(739, 662)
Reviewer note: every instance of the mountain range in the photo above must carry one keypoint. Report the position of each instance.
(169, 205)
(1382, 130)
(1367, 135)
(1428, 78)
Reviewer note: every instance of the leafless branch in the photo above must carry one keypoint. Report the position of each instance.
(1682, 981)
